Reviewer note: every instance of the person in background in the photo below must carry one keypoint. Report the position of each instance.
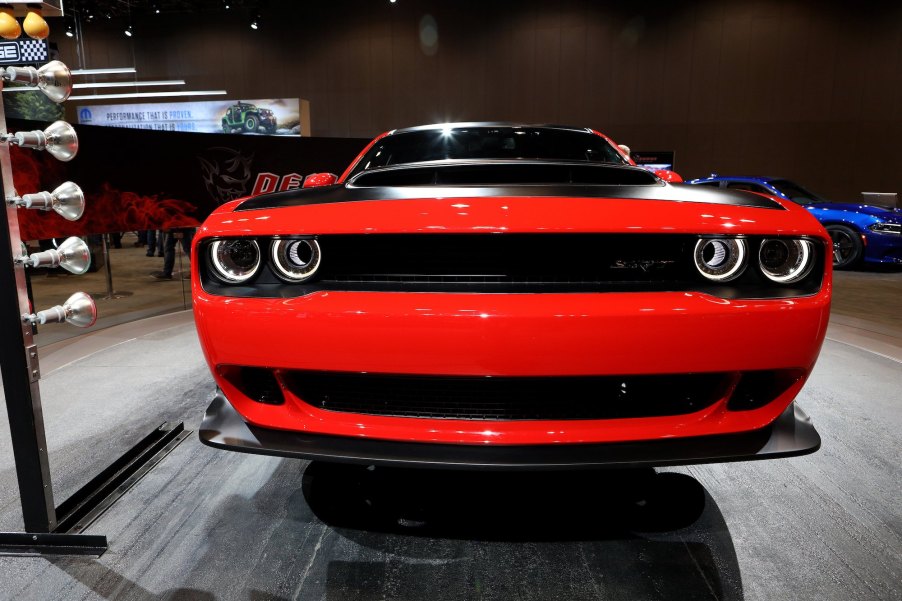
(154, 242)
(183, 234)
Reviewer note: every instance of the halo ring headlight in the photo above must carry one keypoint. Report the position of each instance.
(785, 261)
(720, 259)
(296, 260)
(235, 260)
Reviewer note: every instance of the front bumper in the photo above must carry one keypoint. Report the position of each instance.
(485, 335)
(792, 434)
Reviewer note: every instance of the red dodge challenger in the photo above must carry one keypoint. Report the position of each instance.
(503, 296)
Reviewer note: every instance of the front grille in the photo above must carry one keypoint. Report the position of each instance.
(509, 264)
(494, 398)
(510, 260)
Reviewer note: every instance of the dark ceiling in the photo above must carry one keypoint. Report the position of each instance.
(90, 10)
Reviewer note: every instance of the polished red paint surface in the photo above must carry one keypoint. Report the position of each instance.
(669, 176)
(315, 180)
(511, 334)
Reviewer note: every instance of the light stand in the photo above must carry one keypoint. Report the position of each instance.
(50, 528)
(110, 293)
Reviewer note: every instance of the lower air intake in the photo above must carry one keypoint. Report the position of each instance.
(493, 398)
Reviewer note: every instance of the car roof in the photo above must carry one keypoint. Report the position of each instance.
(465, 124)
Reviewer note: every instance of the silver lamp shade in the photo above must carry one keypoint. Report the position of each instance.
(67, 199)
(79, 310)
(59, 139)
(73, 255)
(54, 79)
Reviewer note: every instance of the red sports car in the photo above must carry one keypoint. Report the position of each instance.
(506, 296)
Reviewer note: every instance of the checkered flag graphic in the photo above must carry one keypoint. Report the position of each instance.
(32, 51)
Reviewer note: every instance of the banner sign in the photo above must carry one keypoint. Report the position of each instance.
(271, 116)
(24, 51)
(138, 179)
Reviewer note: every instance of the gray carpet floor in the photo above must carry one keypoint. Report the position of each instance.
(207, 524)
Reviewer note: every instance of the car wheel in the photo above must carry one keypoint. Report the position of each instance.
(251, 124)
(847, 246)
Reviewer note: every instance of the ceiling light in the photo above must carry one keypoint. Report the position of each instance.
(149, 95)
(129, 32)
(255, 22)
(108, 84)
(111, 71)
(125, 84)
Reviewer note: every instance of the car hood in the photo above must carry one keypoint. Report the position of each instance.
(880, 212)
(460, 211)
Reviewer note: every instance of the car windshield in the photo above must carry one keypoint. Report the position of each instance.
(539, 143)
(795, 192)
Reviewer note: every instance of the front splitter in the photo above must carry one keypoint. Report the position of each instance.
(790, 435)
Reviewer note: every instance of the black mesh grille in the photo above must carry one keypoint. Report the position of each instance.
(491, 398)
(509, 259)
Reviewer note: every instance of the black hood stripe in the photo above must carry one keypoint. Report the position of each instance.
(340, 193)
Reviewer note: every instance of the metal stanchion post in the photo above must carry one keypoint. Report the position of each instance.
(110, 293)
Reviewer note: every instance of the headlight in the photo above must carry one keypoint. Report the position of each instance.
(295, 260)
(235, 260)
(786, 261)
(886, 228)
(720, 259)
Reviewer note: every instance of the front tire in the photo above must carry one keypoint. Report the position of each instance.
(847, 246)
(251, 124)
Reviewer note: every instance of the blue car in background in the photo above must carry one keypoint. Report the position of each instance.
(860, 232)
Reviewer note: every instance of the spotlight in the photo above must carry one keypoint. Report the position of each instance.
(78, 310)
(226, 4)
(255, 22)
(59, 140)
(70, 30)
(155, 7)
(54, 79)
(9, 27)
(68, 200)
(34, 24)
(129, 32)
(73, 255)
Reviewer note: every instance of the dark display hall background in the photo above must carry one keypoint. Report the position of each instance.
(807, 90)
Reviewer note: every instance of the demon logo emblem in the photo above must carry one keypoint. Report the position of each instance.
(226, 173)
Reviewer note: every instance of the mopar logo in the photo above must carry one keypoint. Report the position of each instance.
(9, 52)
(85, 116)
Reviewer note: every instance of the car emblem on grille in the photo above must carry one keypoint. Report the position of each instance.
(643, 264)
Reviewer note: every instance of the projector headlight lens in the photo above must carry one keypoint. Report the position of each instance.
(720, 259)
(786, 261)
(296, 260)
(236, 260)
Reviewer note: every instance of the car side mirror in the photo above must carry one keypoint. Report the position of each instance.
(315, 180)
(669, 176)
